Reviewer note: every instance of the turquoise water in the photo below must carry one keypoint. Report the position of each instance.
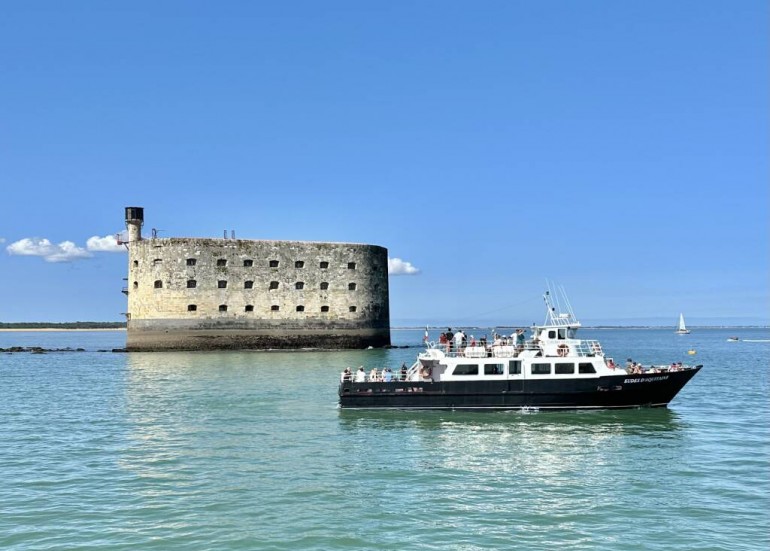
(249, 451)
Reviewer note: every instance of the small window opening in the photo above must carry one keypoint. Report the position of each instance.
(273, 263)
(351, 286)
(222, 262)
(248, 263)
(352, 309)
(222, 284)
(158, 284)
(248, 284)
(351, 265)
(324, 265)
(274, 308)
(191, 261)
(273, 284)
(191, 284)
(299, 264)
(136, 284)
(325, 286)
(249, 308)
(299, 285)
(324, 308)
(223, 307)
(191, 307)
(300, 308)
(136, 263)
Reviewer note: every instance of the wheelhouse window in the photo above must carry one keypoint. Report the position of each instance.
(586, 368)
(325, 286)
(223, 307)
(273, 285)
(191, 284)
(541, 369)
(552, 334)
(191, 261)
(466, 369)
(221, 284)
(192, 307)
(248, 284)
(299, 285)
(514, 367)
(351, 286)
(565, 369)
(494, 369)
(324, 308)
(158, 284)
(273, 263)
(562, 334)
(324, 265)
(299, 264)
(221, 262)
(248, 263)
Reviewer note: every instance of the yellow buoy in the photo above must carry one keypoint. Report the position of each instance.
(691, 352)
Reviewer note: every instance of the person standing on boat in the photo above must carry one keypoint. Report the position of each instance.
(361, 375)
(449, 339)
(403, 371)
(346, 375)
(387, 375)
(459, 337)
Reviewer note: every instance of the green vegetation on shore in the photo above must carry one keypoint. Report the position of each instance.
(65, 325)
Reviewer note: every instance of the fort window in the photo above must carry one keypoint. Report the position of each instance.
(136, 263)
(324, 265)
(191, 307)
(325, 286)
(351, 265)
(248, 263)
(191, 284)
(273, 263)
(158, 284)
(223, 307)
(222, 284)
(351, 286)
(136, 284)
(273, 285)
(274, 308)
(248, 284)
(221, 262)
(249, 308)
(299, 264)
(299, 285)
(324, 308)
(157, 261)
(300, 308)
(352, 309)
(191, 262)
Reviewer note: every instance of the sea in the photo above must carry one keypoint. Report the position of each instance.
(249, 450)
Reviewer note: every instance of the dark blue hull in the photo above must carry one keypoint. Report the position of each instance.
(615, 391)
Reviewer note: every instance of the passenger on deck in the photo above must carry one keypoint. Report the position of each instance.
(442, 341)
(346, 375)
(520, 340)
(449, 339)
(361, 375)
(473, 341)
(458, 340)
(387, 375)
(403, 372)
(374, 375)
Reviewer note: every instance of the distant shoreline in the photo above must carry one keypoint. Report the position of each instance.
(55, 329)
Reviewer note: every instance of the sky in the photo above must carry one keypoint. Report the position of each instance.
(619, 149)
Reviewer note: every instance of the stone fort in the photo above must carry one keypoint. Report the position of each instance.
(212, 294)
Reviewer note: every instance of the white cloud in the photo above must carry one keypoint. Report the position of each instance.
(106, 244)
(66, 251)
(396, 266)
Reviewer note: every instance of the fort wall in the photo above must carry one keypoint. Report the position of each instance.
(202, 294)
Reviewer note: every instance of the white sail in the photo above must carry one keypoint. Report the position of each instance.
(682, 329)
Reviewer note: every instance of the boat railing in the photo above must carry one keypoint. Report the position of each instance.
(582, 348)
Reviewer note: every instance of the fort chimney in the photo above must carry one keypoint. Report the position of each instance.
(134, 222)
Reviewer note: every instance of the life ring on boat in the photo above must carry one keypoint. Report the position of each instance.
(562, 350)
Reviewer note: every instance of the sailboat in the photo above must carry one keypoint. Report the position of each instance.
(682, 330)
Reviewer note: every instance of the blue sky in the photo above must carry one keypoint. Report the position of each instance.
(618, 148)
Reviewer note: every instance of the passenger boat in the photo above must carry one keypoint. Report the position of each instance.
(552, 370)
